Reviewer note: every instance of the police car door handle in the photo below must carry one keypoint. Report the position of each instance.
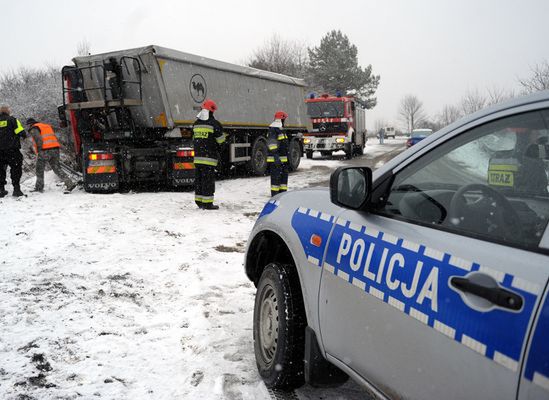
(496, 295)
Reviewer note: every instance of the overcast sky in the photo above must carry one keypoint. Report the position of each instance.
(434, 49)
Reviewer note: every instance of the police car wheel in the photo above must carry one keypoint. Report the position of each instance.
(279, 327)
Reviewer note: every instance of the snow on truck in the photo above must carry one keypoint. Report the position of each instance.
(131, 114)
(339, 123)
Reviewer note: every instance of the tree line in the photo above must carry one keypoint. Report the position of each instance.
(412, 113)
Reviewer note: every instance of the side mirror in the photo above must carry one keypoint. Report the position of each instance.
(351, 187)
(62, 116)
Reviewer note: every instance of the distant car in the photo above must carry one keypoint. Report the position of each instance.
(390, 132)
(426, 279)
(418, 135)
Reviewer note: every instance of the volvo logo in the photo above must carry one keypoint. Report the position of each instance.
(198, 88)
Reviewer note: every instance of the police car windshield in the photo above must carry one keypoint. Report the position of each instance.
(332, 109)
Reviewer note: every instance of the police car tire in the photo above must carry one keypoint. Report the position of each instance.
(285, 369)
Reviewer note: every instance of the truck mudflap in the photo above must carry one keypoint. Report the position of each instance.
(100, 171)
(106, 182)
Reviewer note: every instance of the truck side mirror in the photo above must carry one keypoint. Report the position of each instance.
(62, 116)
(351, 187)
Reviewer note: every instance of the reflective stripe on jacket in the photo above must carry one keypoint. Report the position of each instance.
(277, 144)
(11, 131)
(49, 140)
(207, 136)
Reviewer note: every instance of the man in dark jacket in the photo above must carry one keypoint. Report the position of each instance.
(11, 132)
(207, 137)
(278, 154)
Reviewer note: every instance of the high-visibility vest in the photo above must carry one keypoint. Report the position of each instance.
(49, 140)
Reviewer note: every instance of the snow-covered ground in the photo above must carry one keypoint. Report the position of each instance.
(134, 296)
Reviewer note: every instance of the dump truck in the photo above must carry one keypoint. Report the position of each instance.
(338, 123)
(131, 114)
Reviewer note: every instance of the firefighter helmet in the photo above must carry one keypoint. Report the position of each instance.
(281, 115)
(209, 105)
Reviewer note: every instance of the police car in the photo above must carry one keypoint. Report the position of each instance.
(427, 279)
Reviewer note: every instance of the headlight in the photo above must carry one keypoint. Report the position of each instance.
(340, 140)
(306, 141)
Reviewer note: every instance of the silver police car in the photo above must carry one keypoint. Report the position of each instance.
(427, 279)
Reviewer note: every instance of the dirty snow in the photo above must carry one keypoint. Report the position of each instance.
(134, 296)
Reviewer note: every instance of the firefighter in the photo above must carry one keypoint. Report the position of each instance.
(46, 147)
(11, 132)
(207, 137)
(278, 154)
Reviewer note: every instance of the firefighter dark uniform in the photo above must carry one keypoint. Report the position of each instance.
(278, 154)
(46, 147)
(207, 137)
(11, 131)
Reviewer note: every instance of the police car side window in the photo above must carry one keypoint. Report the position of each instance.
(490, 182)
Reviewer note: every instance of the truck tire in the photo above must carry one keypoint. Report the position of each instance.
(279, 328)
(359, 148)
(258, 162)
(294, 154)
(349, 151)
(309, 154)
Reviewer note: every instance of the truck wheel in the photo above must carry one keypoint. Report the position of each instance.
(294, 154)
(348, 151)
(258, 163)
(309, 154)
(279, 327)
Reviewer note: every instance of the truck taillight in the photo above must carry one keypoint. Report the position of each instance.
(101, 156)
(184, 153)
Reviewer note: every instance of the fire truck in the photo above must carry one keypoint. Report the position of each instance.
(339, 123)
(131, 114)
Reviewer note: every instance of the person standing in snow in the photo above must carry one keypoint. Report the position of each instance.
(381, 135)
(278, 154)
(11, 132)
(46, 147)
(207, 137)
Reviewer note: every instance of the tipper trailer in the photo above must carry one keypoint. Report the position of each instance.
(131, 114)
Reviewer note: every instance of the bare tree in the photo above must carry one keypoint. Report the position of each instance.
(281, 56)
(539, 80)
(472, 102)
(83, 48)
(411, 112)
(497, 94)
(448, 115)
(35, 93)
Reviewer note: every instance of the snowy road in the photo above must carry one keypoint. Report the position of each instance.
(135, 296)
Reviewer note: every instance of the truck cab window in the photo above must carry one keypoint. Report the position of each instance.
(491, 181)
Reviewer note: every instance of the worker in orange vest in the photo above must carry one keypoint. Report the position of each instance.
(46, 146)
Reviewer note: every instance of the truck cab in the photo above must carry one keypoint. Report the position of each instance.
(338, 123)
